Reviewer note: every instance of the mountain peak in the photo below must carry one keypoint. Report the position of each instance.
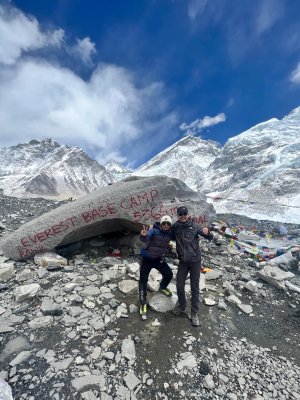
(117, 168)
(184, 160)
(44, 168)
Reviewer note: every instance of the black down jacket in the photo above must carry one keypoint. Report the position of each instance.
(187, 240)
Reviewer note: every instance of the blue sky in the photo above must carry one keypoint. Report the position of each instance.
(125, 79)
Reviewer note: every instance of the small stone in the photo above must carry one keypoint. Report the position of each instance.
(26, 292)
(128, 349)
(128, 286)
(209, 301)
(246, 308)
(40, 322)
(234, 299)
(85, 382)
(7, 272)
(221, 304)
(131, 380)
(156, 322)
(21, 357)
(208, 382)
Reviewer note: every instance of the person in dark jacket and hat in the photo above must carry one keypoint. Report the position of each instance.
(157, 241)
(187, 235)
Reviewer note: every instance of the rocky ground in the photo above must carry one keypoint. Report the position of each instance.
(72, 331)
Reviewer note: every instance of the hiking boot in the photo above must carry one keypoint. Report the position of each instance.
(143, 311)
(167, 292)
(177, 310)
(195, 319)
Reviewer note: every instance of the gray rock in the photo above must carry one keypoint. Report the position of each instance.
(7, 272)
(26, 292)
(153, 285)
(24, 275)
(133, 308)
(109, 355)
(124, 205)
(128, 286)
(62, 365)
(90, 291)
(208, 382)
(48, 307)
(221, 304)
(42, 272)
(209, 301)
(188, 362)
(231, 396)
(274, 276)
(286, 261)
(251, 286)
(128, 349)
(131, 381)
(40, 322)
(108, 275)
(50, 260)
(84, 383)
(161, 303)
(105, 396)
(246, 308)
(15, 345)
(234, 299)
(5, 326)
(211, 275)
(292, 287)
(89, 396)
(5, 391)
(133, 268)
(21, 357)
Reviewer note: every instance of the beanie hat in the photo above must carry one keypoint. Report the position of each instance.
(182, 209)
(166, 218)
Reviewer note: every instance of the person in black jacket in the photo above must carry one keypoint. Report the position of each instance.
(187, 235)
(157, 241)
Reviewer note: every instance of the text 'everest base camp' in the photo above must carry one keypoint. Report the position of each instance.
(125, 205)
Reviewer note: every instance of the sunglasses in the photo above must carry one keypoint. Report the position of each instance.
(166, 223)
(182, 213)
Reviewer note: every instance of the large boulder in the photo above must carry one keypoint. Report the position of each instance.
(124, 205)
(5, 391)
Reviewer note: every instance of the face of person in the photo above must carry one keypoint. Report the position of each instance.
(166, 226)
(182, 216)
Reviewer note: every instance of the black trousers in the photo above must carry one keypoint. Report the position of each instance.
(183, 269)
(146, 265)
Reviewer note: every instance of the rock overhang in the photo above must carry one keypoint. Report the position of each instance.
(124, 205)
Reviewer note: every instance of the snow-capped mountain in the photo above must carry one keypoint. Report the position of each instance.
(46, 169)
(259, 170)
(117, 170)
(185, 160)
(256, 173)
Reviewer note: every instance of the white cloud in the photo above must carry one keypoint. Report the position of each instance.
(196, 7)
(20, 33)
(85, 49)
(104, 114)
(269, 12)
(295, 75)
(199, 124)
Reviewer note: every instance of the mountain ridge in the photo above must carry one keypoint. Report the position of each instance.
(258, 167)
(46, 169)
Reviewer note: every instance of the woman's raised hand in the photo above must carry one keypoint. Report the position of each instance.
(144, 231)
